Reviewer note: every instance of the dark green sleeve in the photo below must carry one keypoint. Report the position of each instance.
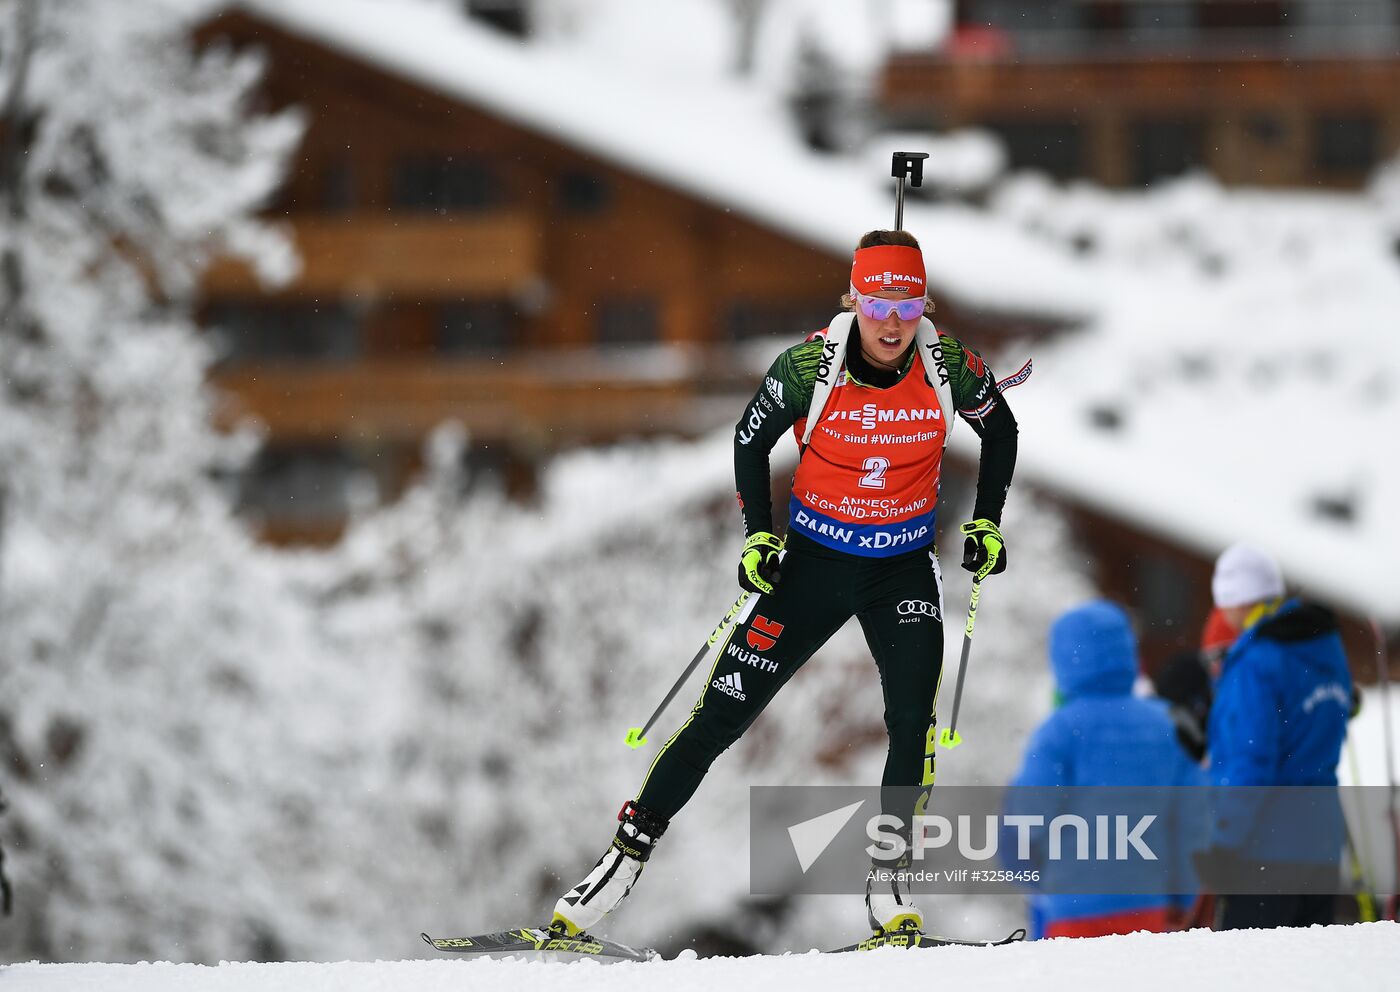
(781, 400)
(981, 404)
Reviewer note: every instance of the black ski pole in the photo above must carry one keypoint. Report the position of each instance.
(910, 166)
(637, 736)
(950, 738)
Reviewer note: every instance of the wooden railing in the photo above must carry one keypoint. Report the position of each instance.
(965, 89)
(548, 402)
(383, 254)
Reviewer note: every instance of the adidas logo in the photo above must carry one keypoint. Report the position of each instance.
(731, 685)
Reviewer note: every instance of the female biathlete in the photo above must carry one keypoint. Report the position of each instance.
(880, 397)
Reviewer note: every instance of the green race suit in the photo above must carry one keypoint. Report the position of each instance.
(898, 599)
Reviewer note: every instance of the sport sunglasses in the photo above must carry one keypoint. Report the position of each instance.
(878, 309)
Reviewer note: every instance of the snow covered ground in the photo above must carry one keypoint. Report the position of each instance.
(1277, 960)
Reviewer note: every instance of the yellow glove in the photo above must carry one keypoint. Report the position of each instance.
(758, 564)
(984, 551)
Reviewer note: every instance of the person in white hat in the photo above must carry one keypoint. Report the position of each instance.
(1246, 586)
(1279, 719)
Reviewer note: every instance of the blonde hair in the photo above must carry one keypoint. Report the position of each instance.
(873, 239)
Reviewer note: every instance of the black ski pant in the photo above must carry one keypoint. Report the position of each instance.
(899, 602)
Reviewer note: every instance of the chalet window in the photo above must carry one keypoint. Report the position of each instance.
(476, 327)
(310, 483)
(1154, 24)
(313, 331)
(1345, 143)
(1234, 15)
(582, 192)
(1162, 593)
(633, 321)
(1103, 16)
(335, 188)
(1170, 15)
(1027, 15)
(445, 184)
(1165, 148)
(1265, 128)
(1354, 21)
(501, 467)
(791, 321)
(1051, 146)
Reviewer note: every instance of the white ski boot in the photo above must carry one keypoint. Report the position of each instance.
(888, 904)
(583, 906)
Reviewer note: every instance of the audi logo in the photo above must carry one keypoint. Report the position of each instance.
(917, 606)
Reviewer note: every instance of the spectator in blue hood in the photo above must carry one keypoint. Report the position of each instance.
(1101, 735)
(1279, 719)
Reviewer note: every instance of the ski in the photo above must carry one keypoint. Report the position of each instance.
(915, 938)
(536, 942)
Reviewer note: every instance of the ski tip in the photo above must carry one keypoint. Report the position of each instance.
(635, 738)
(427, 940)
(919, 939)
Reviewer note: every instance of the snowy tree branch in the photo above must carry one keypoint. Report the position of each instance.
(15, 134)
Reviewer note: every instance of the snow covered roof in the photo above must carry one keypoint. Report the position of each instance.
(728, 144)
(1241, 377)
(1235, 372)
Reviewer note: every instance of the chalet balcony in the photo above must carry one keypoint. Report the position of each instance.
(544, 401)
(913, 84)
(1380, 41)
(1130, 30)
(1132, 121)
(383, 254)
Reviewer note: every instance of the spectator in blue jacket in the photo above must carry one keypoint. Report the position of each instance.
(1279, 719)
(1101, 735)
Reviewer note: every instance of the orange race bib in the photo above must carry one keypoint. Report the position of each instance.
(868, 482)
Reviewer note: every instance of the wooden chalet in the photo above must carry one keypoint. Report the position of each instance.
(462, 265)
(1126, 92)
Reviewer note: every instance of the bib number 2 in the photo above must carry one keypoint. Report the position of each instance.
(875, 469)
